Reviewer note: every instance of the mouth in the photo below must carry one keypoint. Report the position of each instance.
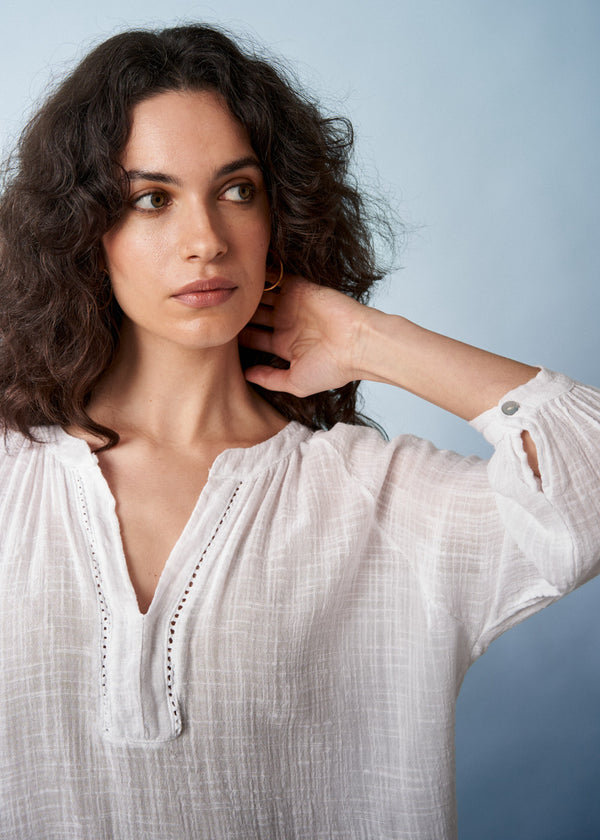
(200, 286)
(209, 292)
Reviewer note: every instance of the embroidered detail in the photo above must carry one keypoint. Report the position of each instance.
(180, 606)
(105, 618)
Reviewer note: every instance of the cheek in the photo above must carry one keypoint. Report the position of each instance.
(248, 251)
(126, 251)
(115, 248)
(260, 233)
(259, 243)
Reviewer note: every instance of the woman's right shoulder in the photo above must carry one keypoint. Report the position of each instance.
(14, 442)
(17, 449)
(17, 467)
(11, 444)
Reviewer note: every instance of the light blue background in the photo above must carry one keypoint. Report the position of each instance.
(480, 122)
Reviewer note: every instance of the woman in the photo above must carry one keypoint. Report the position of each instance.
(217, 622)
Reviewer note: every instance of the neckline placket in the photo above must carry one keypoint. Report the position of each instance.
(139, 686)
(139, 653)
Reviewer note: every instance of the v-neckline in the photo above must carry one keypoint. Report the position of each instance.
(234, 463)
(169, 568)
(141, 656)
(138, 651)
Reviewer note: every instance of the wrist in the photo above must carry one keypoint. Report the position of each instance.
(455, 376)
(376, 345)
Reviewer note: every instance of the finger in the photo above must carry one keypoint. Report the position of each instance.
(257, 339)
(273, 379)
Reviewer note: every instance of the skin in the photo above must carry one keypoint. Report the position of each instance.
(330, 339)
(176, 393)
(185, 221)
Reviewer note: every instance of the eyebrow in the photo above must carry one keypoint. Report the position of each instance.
(163, 178)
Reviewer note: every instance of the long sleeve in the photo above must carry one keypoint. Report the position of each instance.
(553, 520)
(313, 625)
(488, 542)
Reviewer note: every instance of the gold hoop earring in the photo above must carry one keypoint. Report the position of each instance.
(279, 279)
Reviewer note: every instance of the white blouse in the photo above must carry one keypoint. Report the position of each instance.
(296, 674)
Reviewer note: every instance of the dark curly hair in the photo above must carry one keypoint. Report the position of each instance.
(59, 324)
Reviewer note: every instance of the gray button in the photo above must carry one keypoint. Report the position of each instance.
(510, 407)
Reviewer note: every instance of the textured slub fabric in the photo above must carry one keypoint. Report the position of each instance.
(296, 674)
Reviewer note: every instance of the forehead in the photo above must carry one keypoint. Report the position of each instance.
(178, 127)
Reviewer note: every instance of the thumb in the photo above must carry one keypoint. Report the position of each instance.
(273, 379)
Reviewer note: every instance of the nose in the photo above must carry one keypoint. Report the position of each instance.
(202, 235)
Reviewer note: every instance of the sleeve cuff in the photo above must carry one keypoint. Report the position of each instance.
(518, 406)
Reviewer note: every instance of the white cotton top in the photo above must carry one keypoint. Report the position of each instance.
(296, 674)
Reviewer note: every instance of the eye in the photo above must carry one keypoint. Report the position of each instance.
(154, 200)
(240, 192)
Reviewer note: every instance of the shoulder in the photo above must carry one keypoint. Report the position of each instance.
(404, 462)
(20, 454)
(16, 468)
(13, 444)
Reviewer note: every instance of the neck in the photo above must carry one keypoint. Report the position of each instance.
(175, 396)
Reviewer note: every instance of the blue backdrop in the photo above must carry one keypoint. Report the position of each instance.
(479, 122)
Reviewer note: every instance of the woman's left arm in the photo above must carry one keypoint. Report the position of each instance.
(330, 339)
(546, 539)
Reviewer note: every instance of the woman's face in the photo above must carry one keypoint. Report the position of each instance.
(187, 258)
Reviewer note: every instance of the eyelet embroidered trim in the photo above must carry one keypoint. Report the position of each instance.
(105, 617)
(178, 610)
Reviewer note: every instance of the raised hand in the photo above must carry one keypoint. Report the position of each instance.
(330, 339)
(316, 329)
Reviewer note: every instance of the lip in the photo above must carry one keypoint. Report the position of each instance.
(205, 293)
(210, 284)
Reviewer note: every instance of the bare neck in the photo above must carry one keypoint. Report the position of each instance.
(174, 397)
